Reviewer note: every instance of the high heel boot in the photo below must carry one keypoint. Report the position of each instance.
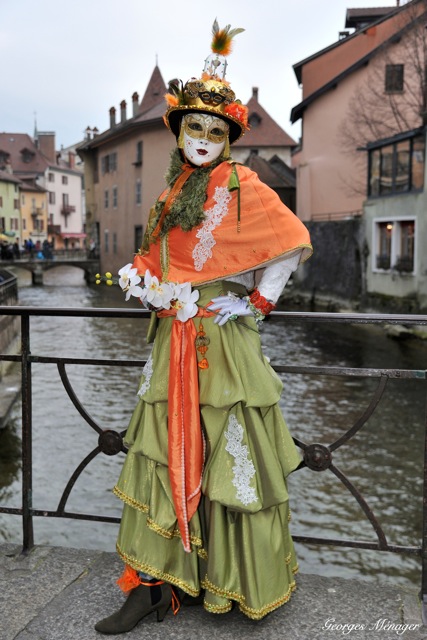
(142, 600)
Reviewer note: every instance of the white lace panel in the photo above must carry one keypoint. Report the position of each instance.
(203, 249)
(244, 469)
(147, 372)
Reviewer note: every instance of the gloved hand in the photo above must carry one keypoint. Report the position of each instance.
(229, 308)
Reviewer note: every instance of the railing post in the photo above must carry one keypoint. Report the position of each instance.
(27, 437)
(423, 594)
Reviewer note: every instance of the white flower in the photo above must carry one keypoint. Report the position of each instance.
(129, 281)
(158, 294)
(184, 302)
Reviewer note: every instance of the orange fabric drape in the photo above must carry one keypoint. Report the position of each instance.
(185, 438)
(187, 170)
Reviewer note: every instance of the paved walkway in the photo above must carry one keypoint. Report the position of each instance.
(58, 594)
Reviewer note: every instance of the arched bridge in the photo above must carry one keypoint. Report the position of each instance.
(38, 266)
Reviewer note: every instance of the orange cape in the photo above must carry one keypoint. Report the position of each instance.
(216, 250)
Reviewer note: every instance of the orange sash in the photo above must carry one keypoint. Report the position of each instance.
(186, 446)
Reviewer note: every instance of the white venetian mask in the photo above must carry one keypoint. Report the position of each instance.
(204, 137)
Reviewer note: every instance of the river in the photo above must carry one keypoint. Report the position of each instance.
(384, 460)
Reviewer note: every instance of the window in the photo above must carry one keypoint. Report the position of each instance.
(1, 201)
(395, 245)
(138, 237)
(24, 224)
(109, 163)
(114, 197)
(106, 199)
(114, 242)
(64, 180)
(106, 240)
(16, 203)
(138, 160)
(394, 78)
(397, 167)
(14, 224)
(138, 192)
(23, 199)
(51, 197)
(51, 177)
(3, 224)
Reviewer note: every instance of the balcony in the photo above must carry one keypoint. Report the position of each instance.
(66, 209)
(384, 261)
(36, 211)
(404, 264)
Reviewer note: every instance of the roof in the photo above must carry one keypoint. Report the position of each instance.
(154, 92)
(360, 17)
(150, 112)
(297, 67)
(264, 131)
(267, 172)
(298, 110)
(14, 144)
(5, 176)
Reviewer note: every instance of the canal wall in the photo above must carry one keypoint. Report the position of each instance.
(9, 345)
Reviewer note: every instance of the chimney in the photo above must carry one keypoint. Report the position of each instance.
(255, 93)
(95, 131)
(8, 166)
(123, 111)
(47, 145)
(71, 160)
(112, 117)
(135, 103)
(87, 132)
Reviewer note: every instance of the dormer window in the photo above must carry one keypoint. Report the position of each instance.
(27, 155)
(254, 120)
(4, 157)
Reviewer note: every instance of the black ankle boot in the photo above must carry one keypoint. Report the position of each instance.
(141, 601)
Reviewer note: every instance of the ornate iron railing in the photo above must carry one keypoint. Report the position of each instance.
(318, 457)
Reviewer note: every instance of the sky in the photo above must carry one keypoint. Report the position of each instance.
(66, 63)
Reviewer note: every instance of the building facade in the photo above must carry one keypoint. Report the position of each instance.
(366, 86)
(124, 174)
(36, 162)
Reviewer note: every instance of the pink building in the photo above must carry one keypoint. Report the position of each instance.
(364, 87)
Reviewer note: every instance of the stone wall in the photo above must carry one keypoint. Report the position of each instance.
(9, 325)
(335, 272)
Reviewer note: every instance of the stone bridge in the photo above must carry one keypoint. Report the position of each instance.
(38, 266)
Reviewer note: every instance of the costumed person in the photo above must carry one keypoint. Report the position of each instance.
(206, 507)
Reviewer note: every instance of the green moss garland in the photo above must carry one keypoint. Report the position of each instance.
(187, 210)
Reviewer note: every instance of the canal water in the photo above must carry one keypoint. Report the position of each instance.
(384, 460)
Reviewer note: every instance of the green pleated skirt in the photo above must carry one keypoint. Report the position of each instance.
(242, 550)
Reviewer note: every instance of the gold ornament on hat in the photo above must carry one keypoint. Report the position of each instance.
(211, 93)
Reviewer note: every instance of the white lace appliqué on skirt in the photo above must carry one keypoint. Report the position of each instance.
(244, 469)
(147, 372)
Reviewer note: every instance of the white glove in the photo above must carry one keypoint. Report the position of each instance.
(229, 308)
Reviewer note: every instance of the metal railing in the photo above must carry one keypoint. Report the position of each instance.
(316, 456)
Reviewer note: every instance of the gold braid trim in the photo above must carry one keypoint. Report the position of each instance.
(254, 614)
(151, 524)
(130, 501)
(223, 593)
(156, 573)
(197, 542)
(257, 614)
(202, 553)
(288, 558)
(216, 608)
(289, 516)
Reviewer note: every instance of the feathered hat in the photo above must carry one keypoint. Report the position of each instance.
(211, 93)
